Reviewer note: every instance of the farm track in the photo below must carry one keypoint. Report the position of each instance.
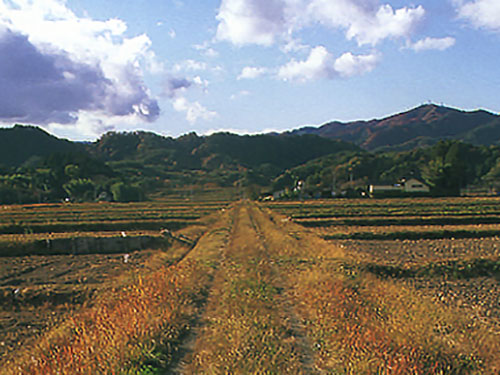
(298, 330)
(247, 325)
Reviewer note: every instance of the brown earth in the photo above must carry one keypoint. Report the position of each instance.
(36, 292)
(477, 298)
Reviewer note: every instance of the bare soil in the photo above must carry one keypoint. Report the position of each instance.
(36, 292)
(478, 298)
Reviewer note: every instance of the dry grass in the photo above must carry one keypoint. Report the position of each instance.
(360, 324)
(142, 318)
(247, 328)
(271, 298)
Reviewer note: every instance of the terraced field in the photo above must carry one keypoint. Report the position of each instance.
(257, 293)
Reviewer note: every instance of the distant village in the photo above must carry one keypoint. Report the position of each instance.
(411, 187)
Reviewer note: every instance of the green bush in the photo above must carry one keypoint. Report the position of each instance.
(126, 193)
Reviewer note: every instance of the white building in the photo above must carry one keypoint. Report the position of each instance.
(411, 185)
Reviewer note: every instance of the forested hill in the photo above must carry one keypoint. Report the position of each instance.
(38, 167)
(216, 150)
(421, 126)
(22, 143)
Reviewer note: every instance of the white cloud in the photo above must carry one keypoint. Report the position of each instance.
(264, 22)
(91, 125)
(206, 50)
(294, 46)
(385, 23)
(433, 44)
(93, 66)
(251, 72)
(200, 82)
(251, 21)
(172, 34)
(194, 110)
(321, 64)
(480, 13)
(349, 65)
(240, 94)
(190, 65)
(210, 52)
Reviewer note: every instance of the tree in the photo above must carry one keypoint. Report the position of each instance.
(72, 171)
(126, 193)
(80, 189)
(285, 181)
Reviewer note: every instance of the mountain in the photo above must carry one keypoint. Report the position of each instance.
(421, 126)
(146, 163)
(211, 152)
(21, 143)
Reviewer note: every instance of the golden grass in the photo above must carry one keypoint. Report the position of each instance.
(359, 324)
(145, 314)
(247, 329)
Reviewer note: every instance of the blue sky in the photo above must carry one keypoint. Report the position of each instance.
(80, 68)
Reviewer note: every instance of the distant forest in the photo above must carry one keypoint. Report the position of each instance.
(136, 166)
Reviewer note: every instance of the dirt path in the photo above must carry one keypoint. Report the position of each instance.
(248, 325)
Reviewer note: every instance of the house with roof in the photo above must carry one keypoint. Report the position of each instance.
(403, 187)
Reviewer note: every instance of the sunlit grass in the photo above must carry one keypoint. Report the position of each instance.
(359, 324)
(140, 320)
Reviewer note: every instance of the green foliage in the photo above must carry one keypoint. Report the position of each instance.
(9, 194)
(72, 171)
(21, 143)
(123, 192)
(80, 189)
(286, 180)
(148, 163)
(446, 167)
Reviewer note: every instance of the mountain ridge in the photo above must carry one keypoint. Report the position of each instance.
(428, 123)
(39, 167)
(22, 142)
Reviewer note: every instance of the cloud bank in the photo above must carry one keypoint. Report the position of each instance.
(480, 13)
(264, 22)
(58, 67)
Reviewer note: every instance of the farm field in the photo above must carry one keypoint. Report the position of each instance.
(261, 290)
(38, 292)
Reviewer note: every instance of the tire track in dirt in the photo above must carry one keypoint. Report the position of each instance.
(188, 338)
(297, 328)
(248, 325)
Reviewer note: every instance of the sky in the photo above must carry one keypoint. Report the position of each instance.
(81, 68)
